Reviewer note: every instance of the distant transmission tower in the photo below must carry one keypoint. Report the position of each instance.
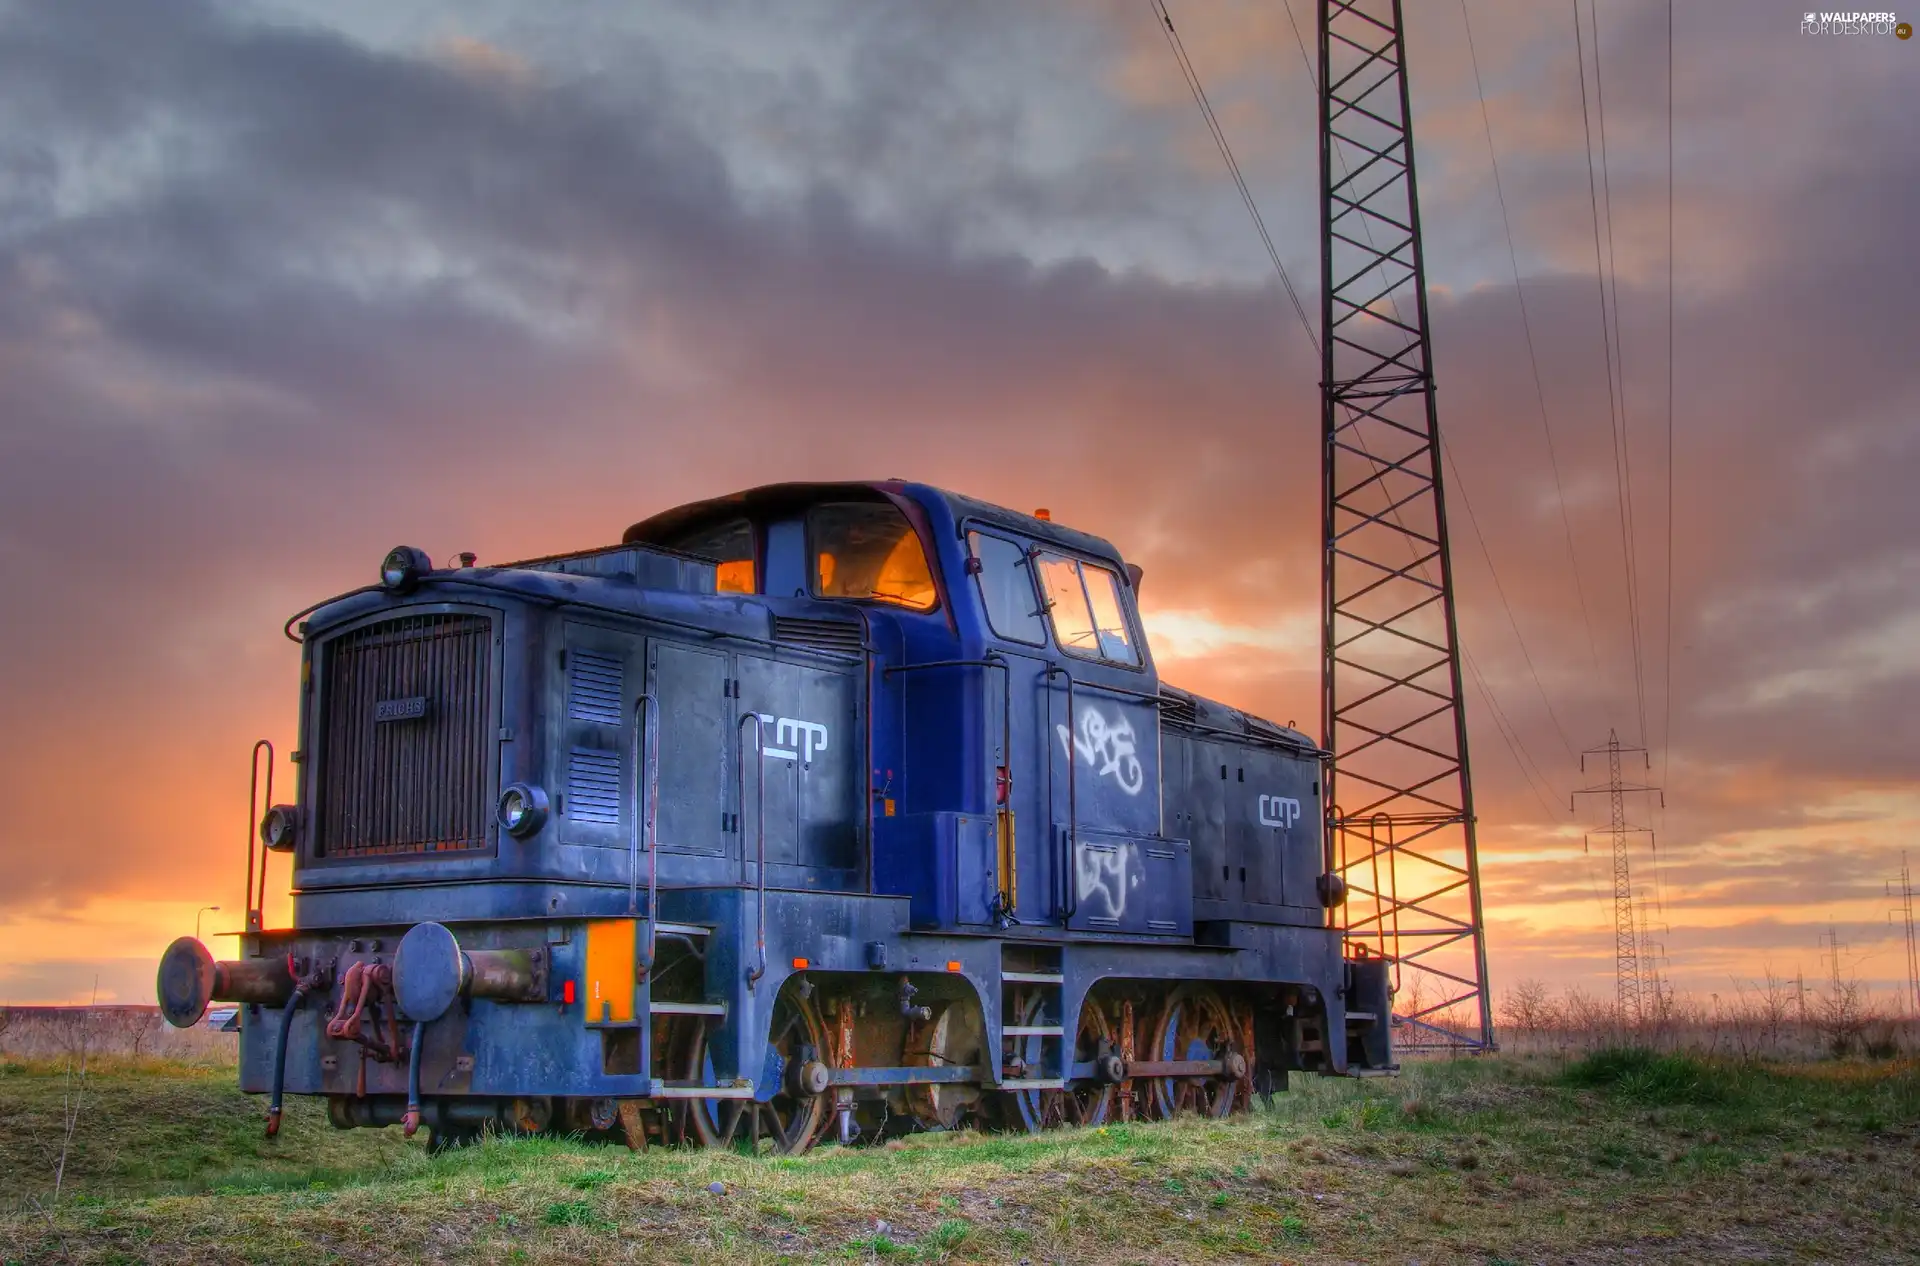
(1626, 934)
(1654, 990)
(1831, 940)
(1905, 911)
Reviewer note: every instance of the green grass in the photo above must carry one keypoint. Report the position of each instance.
(1516, 1160)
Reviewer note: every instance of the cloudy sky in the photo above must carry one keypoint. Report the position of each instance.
(284, 284)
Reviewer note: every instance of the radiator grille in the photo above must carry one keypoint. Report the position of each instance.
(405, 752)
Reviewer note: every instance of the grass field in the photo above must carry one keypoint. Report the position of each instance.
(1614, 1158)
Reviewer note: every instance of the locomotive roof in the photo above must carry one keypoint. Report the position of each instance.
(774, 499)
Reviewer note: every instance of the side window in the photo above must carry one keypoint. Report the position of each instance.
(1006, 587)
(1088, 609)
(731, 546)
(869, 550)
(1109, 614)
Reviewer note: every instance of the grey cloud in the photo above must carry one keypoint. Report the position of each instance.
(365, 293)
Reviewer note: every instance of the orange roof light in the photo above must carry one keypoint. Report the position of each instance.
(1044, 515)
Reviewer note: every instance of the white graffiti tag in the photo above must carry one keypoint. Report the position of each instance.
(1106, 745)
(1105, 877)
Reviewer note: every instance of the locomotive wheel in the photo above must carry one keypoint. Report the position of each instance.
(1090, 1101)
(951, 1038)
(1033, 1110)
(1195, 1024)
(791, 1119)
(1086, 1102)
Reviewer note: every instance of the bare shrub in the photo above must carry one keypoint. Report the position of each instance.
(1840, 1015)
(1772, 1018)
(1530, 1008)
(121, 1031)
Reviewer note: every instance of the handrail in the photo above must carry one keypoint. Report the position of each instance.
(759, 829)
(1069, 888)
(256, 911)
(646, 787)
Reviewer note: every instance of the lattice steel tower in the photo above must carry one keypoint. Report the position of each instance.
(1399, 795)
(1626, 951)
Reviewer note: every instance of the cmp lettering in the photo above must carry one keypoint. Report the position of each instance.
(1280, 811)
(799, 740)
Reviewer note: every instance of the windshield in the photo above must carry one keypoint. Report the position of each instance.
(1088, 609)
(869, 550)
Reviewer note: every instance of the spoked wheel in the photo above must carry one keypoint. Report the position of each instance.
(791, 1119)
(1033, 1109)
(1196, 1025)
(1088, 1101)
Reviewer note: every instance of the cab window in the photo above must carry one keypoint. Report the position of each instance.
(868, 550)
(1007, 590)
(1088, 609)
(731, 546)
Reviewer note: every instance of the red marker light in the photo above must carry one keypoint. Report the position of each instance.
(566, 993)
(799, 964)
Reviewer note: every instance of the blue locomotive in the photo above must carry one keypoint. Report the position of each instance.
(818, 809)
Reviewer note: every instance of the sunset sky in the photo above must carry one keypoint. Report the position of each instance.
(285, 284)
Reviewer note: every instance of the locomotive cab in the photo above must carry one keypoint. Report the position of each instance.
(796, 802)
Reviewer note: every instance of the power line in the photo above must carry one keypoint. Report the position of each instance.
(1233, 167)
(1509, 735)
(1614, 414)
(1467, 505)
(1666, 662)
(1526, 324)
(1666, 690)
(1620, 366)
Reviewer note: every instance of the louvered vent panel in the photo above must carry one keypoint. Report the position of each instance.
(825, 635)
(595, 686)
(1177, 708)
(593, 786)
(406, 755)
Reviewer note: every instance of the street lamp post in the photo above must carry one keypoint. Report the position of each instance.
(196, 919)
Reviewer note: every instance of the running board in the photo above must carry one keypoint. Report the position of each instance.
(687, 1008)
(671, 1090)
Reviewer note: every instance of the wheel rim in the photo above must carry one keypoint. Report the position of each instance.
(1088, 1101)
(1084, 1102)
(1195, 1025)
(1036, 1109)
(789, 1120)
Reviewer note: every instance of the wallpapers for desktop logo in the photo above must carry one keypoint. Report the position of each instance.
(1854, 24)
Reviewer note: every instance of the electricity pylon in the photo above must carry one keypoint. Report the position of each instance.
(1626, 954)
(1399, 794)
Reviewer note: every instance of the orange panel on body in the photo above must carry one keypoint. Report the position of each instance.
(611, 952)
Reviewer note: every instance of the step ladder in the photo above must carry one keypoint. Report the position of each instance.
(1035, 1054)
